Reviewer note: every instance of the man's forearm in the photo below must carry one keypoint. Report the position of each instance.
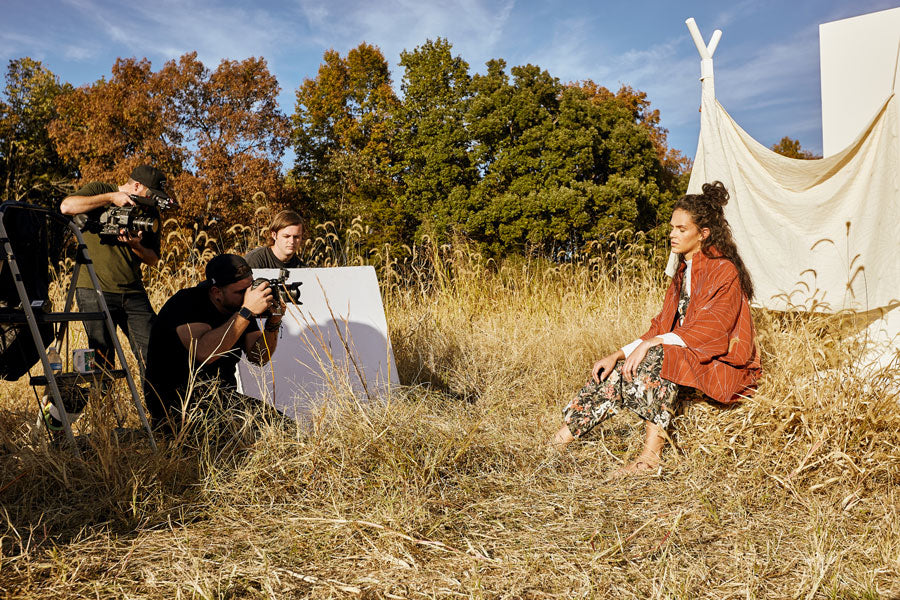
(216, 342)
(75, 205)
(264, 347)
(147, 256)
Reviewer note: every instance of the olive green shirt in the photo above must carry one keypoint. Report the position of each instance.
(118, 268)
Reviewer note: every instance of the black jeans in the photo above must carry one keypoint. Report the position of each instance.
(213, 408)
(132, 312)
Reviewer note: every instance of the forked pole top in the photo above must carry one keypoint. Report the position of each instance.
(706, 51)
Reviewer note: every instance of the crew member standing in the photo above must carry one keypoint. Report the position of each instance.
(117, 262)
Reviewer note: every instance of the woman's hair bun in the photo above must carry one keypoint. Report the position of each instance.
(715, 193)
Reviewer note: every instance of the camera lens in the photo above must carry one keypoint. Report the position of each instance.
(145, 224)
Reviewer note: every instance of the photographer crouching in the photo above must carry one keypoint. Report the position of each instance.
(197, 341)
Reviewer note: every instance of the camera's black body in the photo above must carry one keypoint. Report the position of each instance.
(288, 293)
(142, 216)
(130, 218)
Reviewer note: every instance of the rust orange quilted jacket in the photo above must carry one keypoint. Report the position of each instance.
(721, 358)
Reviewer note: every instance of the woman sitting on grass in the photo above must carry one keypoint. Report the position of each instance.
(702, 339)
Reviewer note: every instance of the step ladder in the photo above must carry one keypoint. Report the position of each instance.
(28, 315)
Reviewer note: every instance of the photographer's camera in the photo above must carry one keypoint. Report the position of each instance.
(283, 293)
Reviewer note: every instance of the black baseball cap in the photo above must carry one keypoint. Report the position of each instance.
(151, 177)
(226, 269)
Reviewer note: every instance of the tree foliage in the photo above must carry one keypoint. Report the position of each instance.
(217, 134)
(29, 164)
(432, 140)
(512, 159)
(561, 164)
(343, 139)
(791, 148)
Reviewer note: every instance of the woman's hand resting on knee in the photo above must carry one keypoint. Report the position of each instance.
(629, 369)
(603, 367)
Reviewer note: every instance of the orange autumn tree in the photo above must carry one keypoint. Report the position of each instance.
(218, 134)
(110, 126)
(230, 118)
(791, 148)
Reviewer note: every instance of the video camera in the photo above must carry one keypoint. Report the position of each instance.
(288, 293)
(133, 219)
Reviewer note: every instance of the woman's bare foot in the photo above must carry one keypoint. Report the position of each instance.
(561, 439)
(644, 464)
(648, 460)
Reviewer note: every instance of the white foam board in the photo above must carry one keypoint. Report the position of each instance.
(334, 344)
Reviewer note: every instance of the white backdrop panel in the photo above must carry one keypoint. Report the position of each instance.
(341, 310)
(857, 59)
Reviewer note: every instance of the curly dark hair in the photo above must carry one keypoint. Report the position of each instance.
(707, 210)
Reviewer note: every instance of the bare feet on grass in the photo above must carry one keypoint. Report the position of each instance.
(561, 439)
(645, 464)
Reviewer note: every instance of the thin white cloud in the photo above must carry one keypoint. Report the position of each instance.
(108, 19)
(15, 45)
(41, 46)
(169, 29)
(734, 12)
(773, 87)
(573, 52)
(315, 13)
(80, 53)
(767, 86)
(474, 27)
(9, 39)
(776, 72)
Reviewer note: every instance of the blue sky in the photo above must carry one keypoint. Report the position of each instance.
(767, 64)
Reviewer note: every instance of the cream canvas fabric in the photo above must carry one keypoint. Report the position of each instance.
(817, 234)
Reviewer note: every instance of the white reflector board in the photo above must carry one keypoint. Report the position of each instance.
(335, 342)
(857, 60)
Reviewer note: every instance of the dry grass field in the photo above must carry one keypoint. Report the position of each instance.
(448, 490)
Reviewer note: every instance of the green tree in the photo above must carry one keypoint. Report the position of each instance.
(343, 139)
(561, 166)
(515, 161)
(531, 149)
(433, 142)
(29, 164)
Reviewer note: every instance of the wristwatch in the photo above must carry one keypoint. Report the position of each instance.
(246, 313)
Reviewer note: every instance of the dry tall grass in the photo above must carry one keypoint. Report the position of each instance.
(447, 490)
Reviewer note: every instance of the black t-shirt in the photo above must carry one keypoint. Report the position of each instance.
(264, 258)
(168, 368)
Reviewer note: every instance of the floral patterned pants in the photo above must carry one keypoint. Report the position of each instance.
(648, 395)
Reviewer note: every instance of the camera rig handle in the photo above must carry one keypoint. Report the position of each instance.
(155, 200)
